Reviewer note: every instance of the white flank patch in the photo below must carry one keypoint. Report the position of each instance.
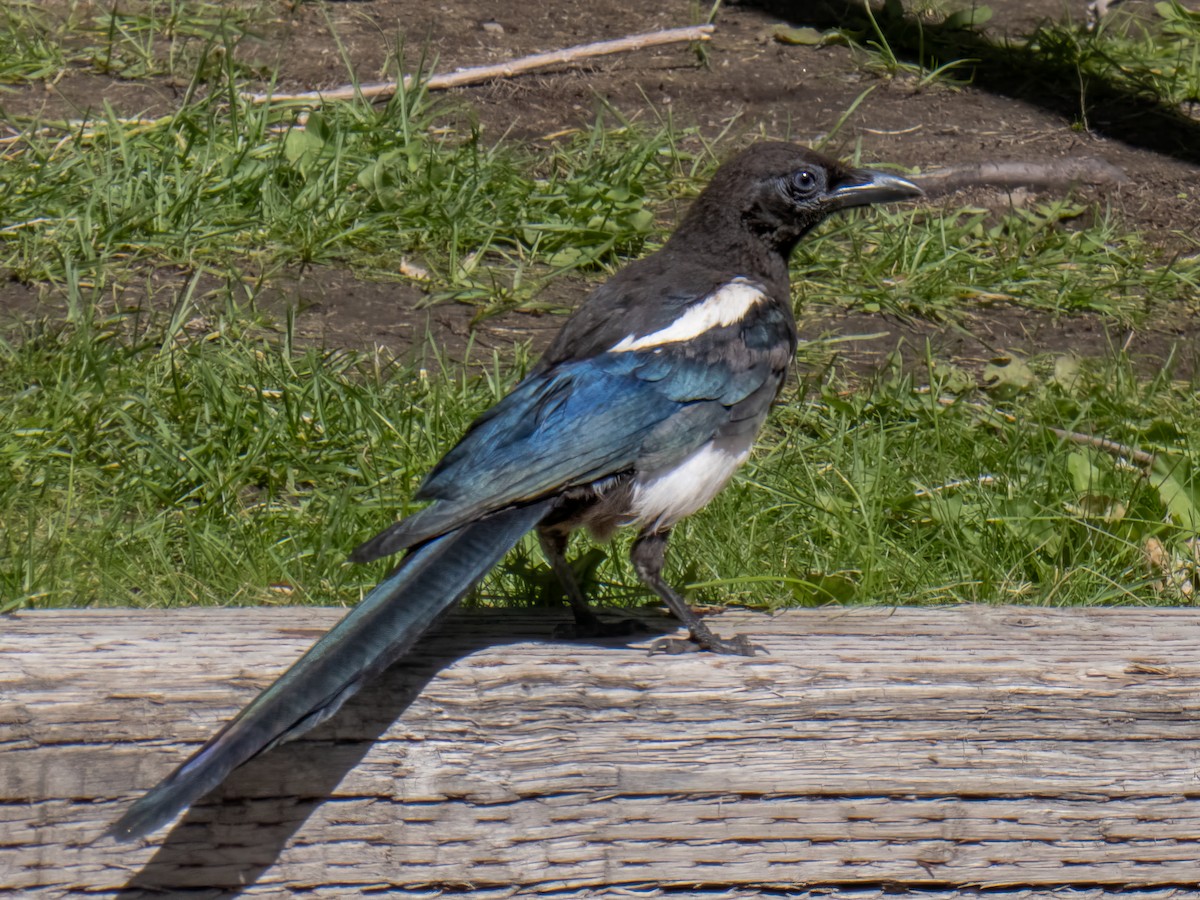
(726, 305)
(673, 495)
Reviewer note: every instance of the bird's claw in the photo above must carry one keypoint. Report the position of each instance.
(738, 645)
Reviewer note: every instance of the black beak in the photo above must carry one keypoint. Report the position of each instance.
(864, 187)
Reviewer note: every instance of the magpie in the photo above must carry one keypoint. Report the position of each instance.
(645, 404)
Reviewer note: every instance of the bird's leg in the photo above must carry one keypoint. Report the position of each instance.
(648, 555)
(587, 623)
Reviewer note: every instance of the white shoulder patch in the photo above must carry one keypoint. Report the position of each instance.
(726, 305)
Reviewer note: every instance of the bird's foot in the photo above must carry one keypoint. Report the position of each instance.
(738, 645)
(594, 627)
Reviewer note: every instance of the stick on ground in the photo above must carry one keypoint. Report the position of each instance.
(382, 90)
(1060, 173)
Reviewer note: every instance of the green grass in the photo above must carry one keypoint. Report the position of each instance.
(227, 187)
(239, 191)
(222, 187)
(191, 461)
(188, 456)
(194, 461)
(132, 39)
(1132, 57)
(29, 50)
(1157, 57)
(1057, 257)
(926, 487)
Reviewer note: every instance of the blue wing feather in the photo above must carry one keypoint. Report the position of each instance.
(584, 420)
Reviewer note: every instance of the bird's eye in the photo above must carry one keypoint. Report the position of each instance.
(804, 181)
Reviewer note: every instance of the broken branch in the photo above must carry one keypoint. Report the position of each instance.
(1059, 174)
(384, 89)
(1141, 457)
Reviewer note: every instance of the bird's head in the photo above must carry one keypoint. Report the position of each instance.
(781, 191)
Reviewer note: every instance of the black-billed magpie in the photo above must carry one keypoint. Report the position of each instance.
(646, 403)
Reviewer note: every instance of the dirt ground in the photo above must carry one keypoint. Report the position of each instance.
(759, 85)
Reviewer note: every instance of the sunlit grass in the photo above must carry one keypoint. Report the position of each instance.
(243, 191)
(170, 457)
(29, 48)
(378, 190)
(190, 460)
(133, 39)
(924, 487)
(223, 185)
(1156, 56)
(1056, 257)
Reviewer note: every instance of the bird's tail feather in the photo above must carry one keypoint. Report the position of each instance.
(369, 639)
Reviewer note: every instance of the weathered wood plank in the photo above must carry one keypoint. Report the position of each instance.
(990, 747)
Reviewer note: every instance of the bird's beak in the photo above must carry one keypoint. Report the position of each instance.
(865, 186)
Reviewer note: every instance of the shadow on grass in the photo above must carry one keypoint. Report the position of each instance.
(1050, 79)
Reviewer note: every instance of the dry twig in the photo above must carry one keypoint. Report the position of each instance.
(384, 89)
(1113, 448)
(1059, 174)
(1141, 457)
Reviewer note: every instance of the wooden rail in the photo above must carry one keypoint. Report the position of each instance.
(1033, 752)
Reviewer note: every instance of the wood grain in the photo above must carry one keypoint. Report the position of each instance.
(1020, 750)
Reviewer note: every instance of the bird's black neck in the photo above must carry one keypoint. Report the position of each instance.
(726, 240)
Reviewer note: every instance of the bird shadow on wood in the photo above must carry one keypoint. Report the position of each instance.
(1016, 68)
(223, 844)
